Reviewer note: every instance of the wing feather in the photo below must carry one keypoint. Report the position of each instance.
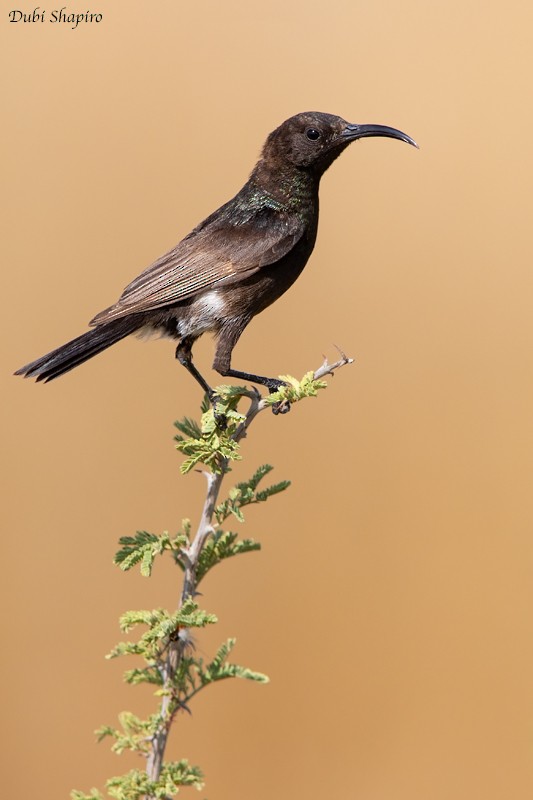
(212, 254)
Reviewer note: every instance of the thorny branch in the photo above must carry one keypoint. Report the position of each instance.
(190, 557)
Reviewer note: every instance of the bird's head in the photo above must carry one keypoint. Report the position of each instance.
(313, 140)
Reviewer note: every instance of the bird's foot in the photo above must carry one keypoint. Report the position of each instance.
(273, 386)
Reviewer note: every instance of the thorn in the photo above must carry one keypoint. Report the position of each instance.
(341, 352)
(204, 472)
(346, 359)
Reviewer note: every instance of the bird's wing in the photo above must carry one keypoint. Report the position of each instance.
(207, 257)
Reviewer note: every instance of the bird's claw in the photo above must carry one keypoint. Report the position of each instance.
(283, 406)
(221, 421)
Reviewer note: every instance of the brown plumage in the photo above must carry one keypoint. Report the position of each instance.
(235, 263)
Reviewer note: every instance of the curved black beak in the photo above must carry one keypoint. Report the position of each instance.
(352, 132)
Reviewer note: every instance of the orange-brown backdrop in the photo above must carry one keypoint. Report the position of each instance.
(392, 603)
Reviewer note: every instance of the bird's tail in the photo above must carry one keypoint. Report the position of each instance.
(77, 351)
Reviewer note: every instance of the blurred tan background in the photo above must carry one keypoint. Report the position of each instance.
(392, 603)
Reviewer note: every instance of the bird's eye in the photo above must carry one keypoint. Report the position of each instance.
(313, 134)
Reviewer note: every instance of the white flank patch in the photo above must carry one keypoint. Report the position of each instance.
(211, 302)
(206, 312)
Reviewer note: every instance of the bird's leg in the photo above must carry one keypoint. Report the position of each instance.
(227, 340)
(184, 356)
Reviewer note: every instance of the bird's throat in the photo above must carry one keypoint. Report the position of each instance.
(289, 189)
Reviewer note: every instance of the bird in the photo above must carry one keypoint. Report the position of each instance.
(234, 264)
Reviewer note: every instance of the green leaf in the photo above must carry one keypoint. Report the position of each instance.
(127, 649)
(244, 494)
(259, 474)
(105, 730)
(223, 544)
(189, 428)
(147, 561)
(131, 551)
(147, 675)
(276, 488)
(144, 547)
(218, 669)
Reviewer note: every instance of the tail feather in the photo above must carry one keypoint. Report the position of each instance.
(77, 351)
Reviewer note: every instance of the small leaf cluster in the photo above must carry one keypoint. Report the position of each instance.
(226, 544)
(222, 545)
(246, 493)
(162, 627)
(296, 390)
(144, 547)
(219, 669)
(213, 443)
(135, 784)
